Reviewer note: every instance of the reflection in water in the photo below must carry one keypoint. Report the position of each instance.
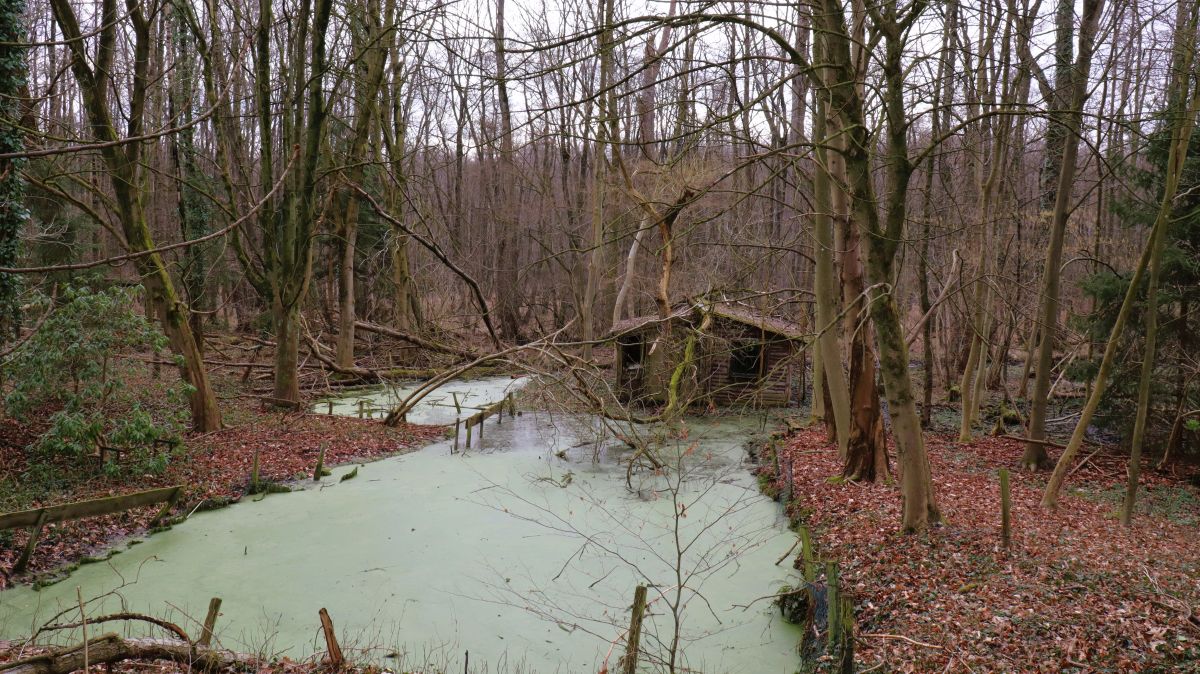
(523, 551)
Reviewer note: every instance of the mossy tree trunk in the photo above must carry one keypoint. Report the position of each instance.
(883, 235)
(369, 30)
(123, 163)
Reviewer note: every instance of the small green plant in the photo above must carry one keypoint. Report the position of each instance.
(72, 363)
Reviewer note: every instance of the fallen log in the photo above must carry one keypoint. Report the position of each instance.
(414, 340)
(365, 374)
(112, 648)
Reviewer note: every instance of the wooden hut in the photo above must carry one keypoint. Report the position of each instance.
(733, 355)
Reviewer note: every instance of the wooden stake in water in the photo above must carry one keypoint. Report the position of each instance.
(633, 642)
(457, 423)
(806, 552)
(833, 602)
(336, 660)
(319, 471)
(210, 621)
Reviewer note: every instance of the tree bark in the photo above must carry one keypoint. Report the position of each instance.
(882, 238)
(123, 164)
(1035, 454)
(829, 363)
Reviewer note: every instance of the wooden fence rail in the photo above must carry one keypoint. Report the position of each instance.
(38, 518)
(495, 409)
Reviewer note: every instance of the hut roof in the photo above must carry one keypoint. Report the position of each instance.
(732, 312)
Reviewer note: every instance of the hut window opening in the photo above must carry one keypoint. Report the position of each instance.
(745, 361)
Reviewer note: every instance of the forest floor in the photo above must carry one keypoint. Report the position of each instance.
(1074, 592)
(215, 469)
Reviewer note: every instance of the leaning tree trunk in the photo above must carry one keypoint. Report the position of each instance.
(123, 163)
(1181, 134)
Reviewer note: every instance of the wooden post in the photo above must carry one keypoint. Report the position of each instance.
(806, 552)
(1005, 509)
(457, 423)
(319, 471)
(35, 532)
(482, 417)
(166, 509)
(468, 445)
(335, 652)
(254, 473)
(360, 408)
(457, 405)
(788, 481)
(498, 408)
(210, 621)
(634, 638)
(834, 603)
(331, 408)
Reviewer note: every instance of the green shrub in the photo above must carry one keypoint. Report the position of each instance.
(72, 363)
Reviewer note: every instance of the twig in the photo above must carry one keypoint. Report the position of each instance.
(1085, 460)
(785, 555)
(83, 623)
(901, 637)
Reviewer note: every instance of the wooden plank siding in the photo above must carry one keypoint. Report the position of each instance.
(773, 389)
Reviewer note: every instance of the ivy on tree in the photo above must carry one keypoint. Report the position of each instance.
(13, 213)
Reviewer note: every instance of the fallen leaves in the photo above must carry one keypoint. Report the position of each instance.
(1076, 591)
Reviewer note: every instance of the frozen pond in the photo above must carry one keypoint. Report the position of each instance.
(523, 552)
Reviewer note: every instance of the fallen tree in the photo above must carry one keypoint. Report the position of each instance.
(426, 344)
(112, 648)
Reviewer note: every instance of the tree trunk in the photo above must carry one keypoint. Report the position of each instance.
(1181, 133)
(882, 238)
(1185, 42)
(1035, 452)
(286, 319)
(123, 164)
(347, 313)
(111, 648)
(828, 359)
(866, 447)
